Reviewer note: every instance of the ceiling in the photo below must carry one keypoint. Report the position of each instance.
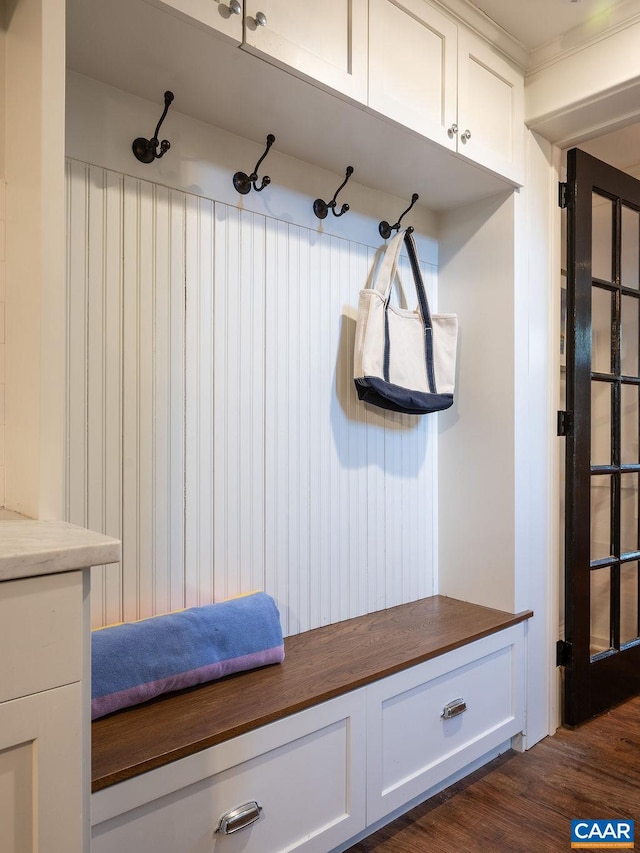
(537, 22)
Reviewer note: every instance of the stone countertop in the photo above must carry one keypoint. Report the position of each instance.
(29, 548)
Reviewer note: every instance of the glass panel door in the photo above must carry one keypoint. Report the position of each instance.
(602, 546)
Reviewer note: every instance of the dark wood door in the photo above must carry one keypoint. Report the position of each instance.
(602, 546)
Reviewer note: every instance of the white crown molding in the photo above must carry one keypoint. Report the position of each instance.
(468, 14)
(612, 20)
(616, 19)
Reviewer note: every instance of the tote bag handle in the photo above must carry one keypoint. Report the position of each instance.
(388, 268)
(423, 304)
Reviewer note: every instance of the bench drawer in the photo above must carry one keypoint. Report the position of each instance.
(306, 772)
(412, 747)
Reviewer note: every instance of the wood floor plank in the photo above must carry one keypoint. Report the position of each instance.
(527, 801)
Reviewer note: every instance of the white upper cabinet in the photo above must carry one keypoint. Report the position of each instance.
(224, 16)
(413, 67)
(490, 108)
(446, 83)
(324, 42)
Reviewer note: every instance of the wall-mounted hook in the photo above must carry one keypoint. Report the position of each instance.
(321, 208)
(146, 150)
(385, 229)
(243, 182)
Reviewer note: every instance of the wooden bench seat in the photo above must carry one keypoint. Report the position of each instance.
(319, 665)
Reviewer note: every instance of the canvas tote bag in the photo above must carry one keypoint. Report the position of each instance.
(404, 360)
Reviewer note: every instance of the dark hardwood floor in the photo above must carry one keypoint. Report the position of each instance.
(525, 802)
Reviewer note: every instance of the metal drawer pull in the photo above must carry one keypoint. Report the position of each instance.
(452, 709)
(239, 817)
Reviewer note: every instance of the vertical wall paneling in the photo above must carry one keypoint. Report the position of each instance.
(99, 270)
(174, 371)
(375, 437)
(349, 491)
(125, 411)
(199, 402)
(168, 401)
(238, 411)
(138, 425)
(112, 296)
(104, 384)
(412, 529)
(94, 288)
(360, 522)
(276, 418)
(213, 424)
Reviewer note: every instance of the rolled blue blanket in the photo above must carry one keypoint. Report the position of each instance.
(137, 661)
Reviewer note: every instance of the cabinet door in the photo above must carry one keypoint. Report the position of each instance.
(223, 16)
(323, 42)
(490, 108)
(412, 67)
(41, 772)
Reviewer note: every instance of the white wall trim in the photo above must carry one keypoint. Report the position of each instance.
(611, 21)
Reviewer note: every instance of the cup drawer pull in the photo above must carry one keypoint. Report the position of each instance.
(239, 817)
(452, 709)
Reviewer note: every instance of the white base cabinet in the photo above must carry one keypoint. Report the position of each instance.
(41, 772)
(322, 776)
(41, 707)
(44, 682)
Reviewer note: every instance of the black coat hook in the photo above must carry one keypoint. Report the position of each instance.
(321, 208)
(146, 150)
(243, 182)
(385, 229)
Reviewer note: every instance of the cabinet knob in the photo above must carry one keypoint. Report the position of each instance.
(239, 818)
(261, 19)
(452, 131)
(466, 136)
(234, 7)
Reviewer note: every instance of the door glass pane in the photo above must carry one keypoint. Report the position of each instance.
(600, 610)
(600, 423)
(601, 254)
(600, 330)
(628, 602)
(629, 425)
(629, 336)
(628, 513)
(629, 244)
(600, 517)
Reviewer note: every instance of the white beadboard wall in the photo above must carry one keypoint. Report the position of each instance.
(212, 420)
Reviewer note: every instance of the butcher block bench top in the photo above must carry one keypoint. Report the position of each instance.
(319, 665)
